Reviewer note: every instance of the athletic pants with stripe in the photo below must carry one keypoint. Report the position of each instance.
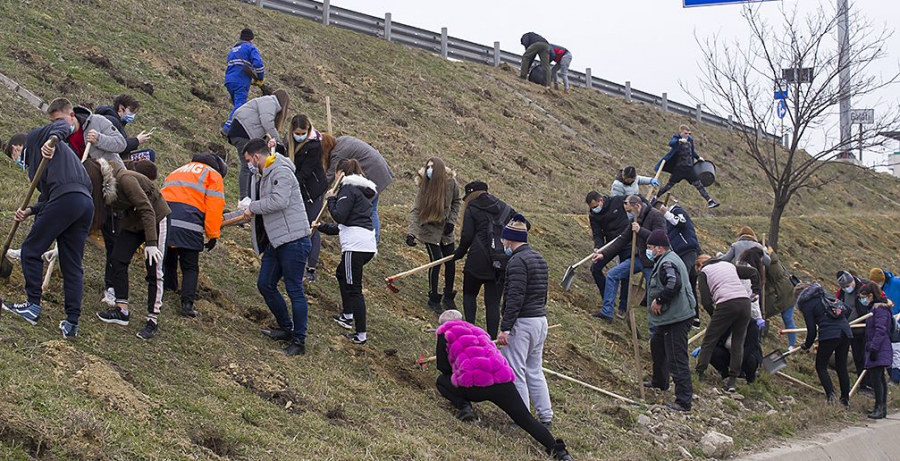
(350, 278)
(127, 242)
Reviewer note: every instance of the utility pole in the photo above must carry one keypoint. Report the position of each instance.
(844, 77)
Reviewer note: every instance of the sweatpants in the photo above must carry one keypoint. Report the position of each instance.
(858, 351)
(238, 137)
(669, 350)
(562, 67)
(315, 239)
(127, 242)
(541, 50)
(690, 259)
(879, 384)
(471, 286)
(840, 348)
(109, 230)
(350, 279)
(67, 220)
(733, 314)
(436, 252)
(238, 94)
(505, 397)
(684, 174)
(190, 272)
(525, 353)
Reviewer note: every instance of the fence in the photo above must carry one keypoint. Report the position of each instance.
(455, 48)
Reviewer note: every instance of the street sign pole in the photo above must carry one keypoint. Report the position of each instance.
(844, 75)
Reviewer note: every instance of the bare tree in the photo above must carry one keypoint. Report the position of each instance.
(740, 76)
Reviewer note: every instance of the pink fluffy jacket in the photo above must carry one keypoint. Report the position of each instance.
(474, 358)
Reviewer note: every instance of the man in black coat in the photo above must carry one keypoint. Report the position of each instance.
(608, 220)
(535, 45)
(123, 111)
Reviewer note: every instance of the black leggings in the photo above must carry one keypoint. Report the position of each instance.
(879, 384)
(190, 272)
(471, 287)
(436, 252)
(840, 347)
(350, 279)
(504, 396)
(684, 174)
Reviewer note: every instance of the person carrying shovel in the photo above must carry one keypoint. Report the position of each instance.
(63, 213)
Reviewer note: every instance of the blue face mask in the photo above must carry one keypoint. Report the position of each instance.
(429, 172)
(252, 168)
(630, 216)
(129, 117)
(864, 301)
(848, 290)
(71, 128)
(508, 251)
(597, 209)
(650, 255)
(299, 138)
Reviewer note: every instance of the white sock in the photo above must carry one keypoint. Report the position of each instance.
(347, 316)
(361, 335)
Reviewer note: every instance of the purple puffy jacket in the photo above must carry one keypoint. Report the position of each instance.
(878, 340)
(474, 358)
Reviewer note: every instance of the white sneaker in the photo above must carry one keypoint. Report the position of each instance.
(109, 297)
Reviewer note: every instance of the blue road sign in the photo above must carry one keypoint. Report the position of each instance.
(782, 108)
(692, 3)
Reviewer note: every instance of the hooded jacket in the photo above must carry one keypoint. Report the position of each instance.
(720, 281)
(610, 222)
(351, 210)
(531, 38)
(196, 195)
(891, 289)
(109, 141)
(671, 158)
(482, 211)
(257, 116)
(243, 60)
(744, 243)
(143, 205)
(818, 323)
(878, 340)
(851, 299)
(681, 232)
(64, 172)
(650, 219)
(525, 288)
(111, 114)
(276, 200)
(310, 173)
(433, 232)
(779, 288)
(467, 353)
(373, 164)
(619, 188)
(557, 52)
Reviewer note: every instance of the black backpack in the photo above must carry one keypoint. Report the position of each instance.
(499, 259)
(537, 75)
(835, 308)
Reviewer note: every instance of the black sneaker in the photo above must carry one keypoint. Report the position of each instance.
(277, 334)
(466, 414)
(677, 407)
(310, 276)
(296, 347)
(712, 204)
(599, 315)
(149, 330)
(696, 324)
(434, 303)
(114, 315)
(547, 424)
(354, 338)
(650, 385)
(187, 309)
(344, 322)
(730, 387)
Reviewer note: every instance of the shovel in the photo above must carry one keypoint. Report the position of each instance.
(775, 361)
(6, 265)
(390, 280)
(569, 276)
(335, 186)
(653, 188)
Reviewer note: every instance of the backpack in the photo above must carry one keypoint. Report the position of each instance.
(495, 251)
(895, 331)
(835, 308)
(536, 75)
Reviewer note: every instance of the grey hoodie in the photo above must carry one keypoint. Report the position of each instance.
(278, 203)
(109, 141)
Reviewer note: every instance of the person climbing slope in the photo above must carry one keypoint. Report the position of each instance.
(680, 164)
(243, 69)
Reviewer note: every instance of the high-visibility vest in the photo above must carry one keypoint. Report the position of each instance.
(196, 194)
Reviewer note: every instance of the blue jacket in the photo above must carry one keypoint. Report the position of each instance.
(891, 289)
(673, 148)
(243, 59)
(682, 235)
(64, 173)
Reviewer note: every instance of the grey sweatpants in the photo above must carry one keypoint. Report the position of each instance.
(562, 67)
(525, 356)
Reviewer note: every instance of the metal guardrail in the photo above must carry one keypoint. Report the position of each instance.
(451, 47)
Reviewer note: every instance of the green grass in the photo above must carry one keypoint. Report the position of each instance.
(214, 387)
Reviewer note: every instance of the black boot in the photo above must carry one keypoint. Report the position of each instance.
(277, 334)
(434, 303)
(880, 412)
(559, 451)
(466, 413)
(448, 302)
(187, 309)
(296, 347)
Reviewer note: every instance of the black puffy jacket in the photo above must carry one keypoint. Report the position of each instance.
(525, 289)
(481, 211)
(352, 206)
(310, 173)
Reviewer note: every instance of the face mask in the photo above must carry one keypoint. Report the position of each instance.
(71, 128)
(252, 168)
(630, 216)
(864, 301)
(508, 251)
(129, 117)
(597, 209)
(299, 138)
(650, 254)
(848, 290)
(429, 172)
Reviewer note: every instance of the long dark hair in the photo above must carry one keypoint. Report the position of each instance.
(433, 192)
(872, 288)
(753, 257)
(301, 122)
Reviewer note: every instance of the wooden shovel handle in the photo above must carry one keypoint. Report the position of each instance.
(87, 152)
(419, 269)
(334, 187)
(601, 250)
(34, 182)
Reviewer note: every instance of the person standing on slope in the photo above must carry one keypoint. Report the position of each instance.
(849, 295)
(608, 220)
(304, 148)
(563, 59)
(535, 45)
(879, 354)
(826, 319)
(683, 238)
(680, 164)
(243, 68)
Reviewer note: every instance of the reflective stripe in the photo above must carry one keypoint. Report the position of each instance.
(187, 225)
(202, 178)
(195, 186)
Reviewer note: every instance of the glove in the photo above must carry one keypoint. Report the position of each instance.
(411, 240)
(211, 244)
(695, 352)
(682, 140)
(457, 256)
(805, 347)
(873, 356)
(51, 255)
(654, 182)
(152, 255)
(760, 323)
(448, 228)
(244, 203)
(258, 82)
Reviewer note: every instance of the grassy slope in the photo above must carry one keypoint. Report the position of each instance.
(215, 388)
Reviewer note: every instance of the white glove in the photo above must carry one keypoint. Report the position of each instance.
(244, 203)
(14, 254)
(152, 255)
(51, 255)
(683, 140)
(719, 254)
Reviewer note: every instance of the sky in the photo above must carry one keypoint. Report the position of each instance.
(651, 43)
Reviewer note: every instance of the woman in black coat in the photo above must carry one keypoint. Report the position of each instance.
(834, 333)
(304, 148)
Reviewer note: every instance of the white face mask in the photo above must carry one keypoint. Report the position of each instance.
(299, 138)
(252, 167)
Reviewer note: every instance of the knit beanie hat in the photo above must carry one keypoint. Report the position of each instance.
(658, 238)
(876, 275)
(516, 230)
(746, 231)
(475, 186)
(844, 279)
(246, 35)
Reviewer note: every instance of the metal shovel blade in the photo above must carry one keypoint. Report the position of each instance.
(568, 278)
(774, 362)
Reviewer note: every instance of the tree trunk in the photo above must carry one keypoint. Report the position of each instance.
(775, 223)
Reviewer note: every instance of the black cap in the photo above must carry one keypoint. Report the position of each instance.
(475, 186)
(246, 35)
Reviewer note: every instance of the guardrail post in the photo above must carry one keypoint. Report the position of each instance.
(730, 123)
(259, 3)
(628, 91)
(665, 102)
(496, 54)
(443, 42)
(387, 26)
(699, 114)
(326, 12)
(588, 80)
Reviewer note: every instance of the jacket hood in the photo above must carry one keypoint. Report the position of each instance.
(213, 161)
(487, 203)
(82, 114)
(278, 161)
(810, 292)
(420, 175)
(108, 187)
(107, 111)
(369, 189)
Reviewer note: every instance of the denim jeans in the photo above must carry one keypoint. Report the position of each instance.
(788, 317)
(289, 262)
(619, 275)
(375, 222)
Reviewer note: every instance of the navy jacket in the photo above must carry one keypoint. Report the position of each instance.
(64, 173)
(673, 149)
(682, 235)
(817, 321)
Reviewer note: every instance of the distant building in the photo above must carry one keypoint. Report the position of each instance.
(893, 159)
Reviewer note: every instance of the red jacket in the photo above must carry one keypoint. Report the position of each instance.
(558, 52)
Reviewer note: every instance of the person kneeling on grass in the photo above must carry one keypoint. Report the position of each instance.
(473, 370)
(351, 209)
